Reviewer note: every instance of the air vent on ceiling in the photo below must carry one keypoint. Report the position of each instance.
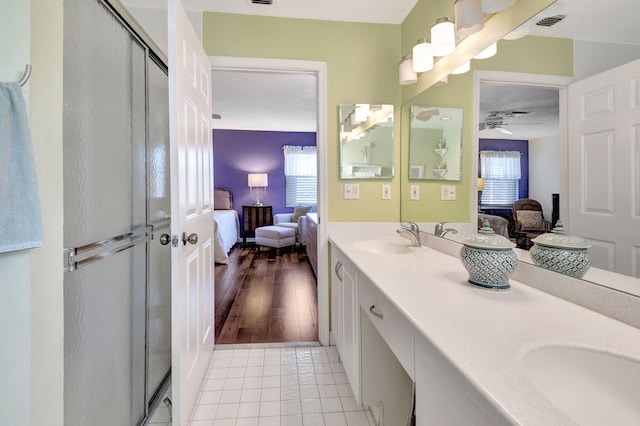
(262, 1)
(550, 20)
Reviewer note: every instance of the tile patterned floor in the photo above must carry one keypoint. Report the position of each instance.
(274, 386)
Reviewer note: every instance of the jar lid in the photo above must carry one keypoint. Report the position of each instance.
(487, 239)
(558, 238)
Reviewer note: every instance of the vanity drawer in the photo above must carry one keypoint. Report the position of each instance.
(394, 328)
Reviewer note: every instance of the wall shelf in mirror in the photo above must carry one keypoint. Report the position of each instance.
(435, 133)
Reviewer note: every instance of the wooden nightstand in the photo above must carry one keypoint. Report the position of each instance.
(254, 217)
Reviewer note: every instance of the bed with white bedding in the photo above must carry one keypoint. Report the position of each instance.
(226, 225)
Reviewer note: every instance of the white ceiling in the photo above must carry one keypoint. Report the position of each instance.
(264, 101)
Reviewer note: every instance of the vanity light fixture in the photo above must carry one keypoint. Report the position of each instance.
(462, 68)
(469, 18)
(443, 37)
(488, 52)
(519, 32)
(362, 112)
(443, 81)
(495, 6)
(406, 72)
(422, 56)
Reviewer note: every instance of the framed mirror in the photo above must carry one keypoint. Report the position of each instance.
(435, 143)
(366, 141)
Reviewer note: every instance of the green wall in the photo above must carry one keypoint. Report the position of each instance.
(362, 67)
(362, 61)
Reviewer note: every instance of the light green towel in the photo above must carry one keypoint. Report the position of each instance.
(20, 216)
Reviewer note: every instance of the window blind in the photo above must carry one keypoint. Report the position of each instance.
(301, 170)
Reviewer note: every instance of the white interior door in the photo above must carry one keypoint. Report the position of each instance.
(604, 166)
(192, 277)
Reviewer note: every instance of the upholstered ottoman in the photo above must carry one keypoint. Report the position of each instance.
(275, 236)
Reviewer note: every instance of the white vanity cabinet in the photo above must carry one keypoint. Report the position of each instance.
(345, 324)
(396, 331)
(443, 395)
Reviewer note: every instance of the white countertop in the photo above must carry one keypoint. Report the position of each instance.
(483, 333)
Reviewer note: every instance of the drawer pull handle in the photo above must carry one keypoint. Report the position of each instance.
(338, 269)
(372, 309)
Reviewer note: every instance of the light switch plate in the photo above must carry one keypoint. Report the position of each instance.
(447, 192)
(415, 192)
(386, 191)
(351, 191)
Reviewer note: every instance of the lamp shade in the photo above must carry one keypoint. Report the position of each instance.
(405, 69)
(480, 184)
(257, 180)
(469, 17)
(488, 52)
(443, 37)
(494, 6)
(422, 56)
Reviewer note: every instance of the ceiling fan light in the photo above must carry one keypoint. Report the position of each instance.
(469, 18)
(406, 73)
(495, 6)
(443, 37)
(422, 56)
(488, 52)
(462, 68)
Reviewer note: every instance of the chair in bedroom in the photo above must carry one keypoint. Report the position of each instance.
(530, 221)
(296, 220)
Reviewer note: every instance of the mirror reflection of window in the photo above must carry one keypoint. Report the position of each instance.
(366, 141)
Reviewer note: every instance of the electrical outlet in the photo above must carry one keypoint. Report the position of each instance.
(415, 192)
(351, 191)
(447, 192)
(386, 192)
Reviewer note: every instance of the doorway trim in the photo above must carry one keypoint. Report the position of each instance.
(319, 69)
(523, 79)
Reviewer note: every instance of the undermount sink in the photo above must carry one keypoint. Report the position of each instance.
(382, 247)
(590, 386)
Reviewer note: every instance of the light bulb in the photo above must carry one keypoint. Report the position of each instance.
(422, 56)
(443, 37)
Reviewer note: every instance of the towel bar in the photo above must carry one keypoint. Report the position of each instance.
(25, 77)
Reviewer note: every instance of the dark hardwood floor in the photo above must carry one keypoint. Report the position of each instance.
(265, 297)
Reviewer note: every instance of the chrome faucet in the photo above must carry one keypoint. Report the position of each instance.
(413, 230)
(441, 232)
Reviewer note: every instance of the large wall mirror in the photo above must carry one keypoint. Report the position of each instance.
(366, 141)
(496, 110)
(435, 143)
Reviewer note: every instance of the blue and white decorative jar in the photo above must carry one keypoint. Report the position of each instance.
(561, 253)
(489, 258)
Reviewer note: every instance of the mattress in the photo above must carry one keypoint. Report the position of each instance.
(227, 231)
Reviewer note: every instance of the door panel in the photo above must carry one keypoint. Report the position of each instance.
(604, 166)
(192, 215)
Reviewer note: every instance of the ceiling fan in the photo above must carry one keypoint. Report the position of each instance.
(495, 121)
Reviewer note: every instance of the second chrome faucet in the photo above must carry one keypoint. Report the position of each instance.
(440, 231)
(413, 230)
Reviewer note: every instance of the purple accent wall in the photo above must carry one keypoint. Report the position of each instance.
(511, 145)
(239, 152)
